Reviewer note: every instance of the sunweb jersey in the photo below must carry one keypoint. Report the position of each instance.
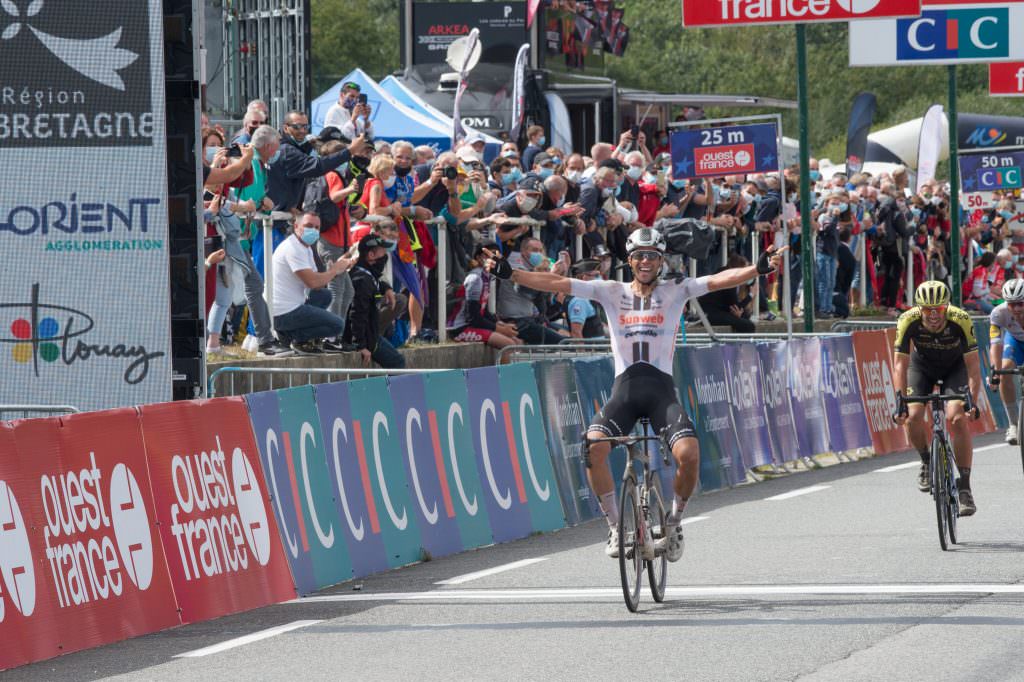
(643, 329)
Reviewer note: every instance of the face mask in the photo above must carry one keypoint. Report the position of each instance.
(536, 258)
(679, 184)
(1019, 267)
(635, 172)
(556, 160)
(377, 266)
(574, 175)
(725, 194)
(916, 212)
(210, 152)
(815, 175)
(844, 207)
(935, 201)
(390, 182)
(748, 197)
(507, 179)
(526, 204)
(608, 191)
(541, 141)
(1007, 215)
(402, 172)
(310, 236)
(663, 140)
(560, 202)
(650, 179)
(508, 154)
(545, 173)
(275, 157)
(390, 246)
(792, 197)
(517, 174)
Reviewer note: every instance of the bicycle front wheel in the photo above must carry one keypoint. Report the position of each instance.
(630, 561)
(657, 568)
(939, 492)
(1020, 425)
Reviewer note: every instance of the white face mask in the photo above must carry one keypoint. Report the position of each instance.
(389, 183)
(574, 175)
(526, 204)
(635, 172)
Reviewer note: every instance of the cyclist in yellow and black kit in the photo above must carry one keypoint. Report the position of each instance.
(935, 342)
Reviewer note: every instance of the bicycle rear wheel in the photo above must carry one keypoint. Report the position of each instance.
(939, 493)
(657, 568)
(630, 562)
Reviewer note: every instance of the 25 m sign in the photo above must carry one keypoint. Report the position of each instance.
(729, 150)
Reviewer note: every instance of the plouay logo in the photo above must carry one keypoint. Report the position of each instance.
(16, 567)
(48, 332)
(955, 34)
(86, 563)
(217, 519)
(75, 74)
(986, 137)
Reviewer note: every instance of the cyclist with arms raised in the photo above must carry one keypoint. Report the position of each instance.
(1006, 347)
(643, 317)
(935, 342)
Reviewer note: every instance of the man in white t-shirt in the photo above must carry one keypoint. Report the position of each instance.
(300, 293)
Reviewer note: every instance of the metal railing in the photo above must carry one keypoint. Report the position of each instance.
(846, 326)
(36, 410)
(343, 374)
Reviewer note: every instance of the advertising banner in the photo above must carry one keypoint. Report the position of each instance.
(774, 360)
(873, 351)
(806, 396)
(349, 474)
(376, 436)
(424, 466)
(955, 34)
(565, 427)
(745, 12)
(84, 565)
(521, 408)
(847, 423)
(501, 475)
(708, 400)
(594, 379)
(220, 537)
(1006, 79)
(437, 25)
(72, 105)
(713, 475)
(448, 409)
(728, 150)
(748, 410)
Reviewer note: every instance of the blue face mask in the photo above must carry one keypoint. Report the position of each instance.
(210, 153)
(916, 212)
(516, 174)
(1007, 215)
(545, 173)
(556, 160)
(679, 184)
(275, 157)
(391, 246)
(542, 141)
(843, 207)
(310, 236)
(815, 175)
(536, 258)
(507, 179)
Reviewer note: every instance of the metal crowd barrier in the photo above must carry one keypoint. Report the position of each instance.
(346, 373)
(37, 410)
(847, 326)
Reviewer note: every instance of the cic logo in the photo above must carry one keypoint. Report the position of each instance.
(982, 33)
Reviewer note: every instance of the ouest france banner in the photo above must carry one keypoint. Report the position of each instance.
(83, 204)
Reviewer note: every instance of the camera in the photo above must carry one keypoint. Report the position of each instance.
(362, 98)
(634, 131)
(234, 152)
(451, 173)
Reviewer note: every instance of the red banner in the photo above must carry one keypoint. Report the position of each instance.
(80, 559)
(873, 351)
(221, 538)
(746, 12)
(1006, 79)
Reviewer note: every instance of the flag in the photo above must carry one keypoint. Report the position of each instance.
(930, 144)
(862, 113)
(518, 93)
(458, 131)
(531, 11)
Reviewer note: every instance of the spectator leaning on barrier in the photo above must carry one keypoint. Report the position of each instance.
(470, 321)
(522, 306)
(363, 328)
(300, 294)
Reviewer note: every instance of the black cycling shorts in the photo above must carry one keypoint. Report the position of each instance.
(921, 379)
(644, 391)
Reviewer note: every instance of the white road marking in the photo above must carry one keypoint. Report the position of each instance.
(725, 591)
(993, 447)
(798, 492)
(693, 519)
(247, 639)
(896, 467)
(459, 579)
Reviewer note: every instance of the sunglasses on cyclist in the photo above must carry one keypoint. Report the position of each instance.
(645, 255)
(933, 309)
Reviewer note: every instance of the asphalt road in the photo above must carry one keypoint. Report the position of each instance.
(845, 581)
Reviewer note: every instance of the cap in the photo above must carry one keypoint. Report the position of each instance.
(531, 183)
(614, 164)
(600, 251)
(475, 137)
(541, 158)
(371, 241)
(467, 153)
(331, 134)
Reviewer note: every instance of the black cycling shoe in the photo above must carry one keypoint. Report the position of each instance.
(967, 506)
(924, 479)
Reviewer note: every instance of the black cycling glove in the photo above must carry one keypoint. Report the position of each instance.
(764, 265)
(901, 407)
(501, 269)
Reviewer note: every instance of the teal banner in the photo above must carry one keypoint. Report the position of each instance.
(522, 411)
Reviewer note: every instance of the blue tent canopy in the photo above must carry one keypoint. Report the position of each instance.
(391, 119)
(403, 94)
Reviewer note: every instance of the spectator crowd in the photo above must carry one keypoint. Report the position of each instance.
(355, 227)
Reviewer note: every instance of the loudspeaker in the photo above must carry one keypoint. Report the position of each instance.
(184, 180)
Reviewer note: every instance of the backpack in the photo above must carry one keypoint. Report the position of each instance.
(317, 198)
(686, 236)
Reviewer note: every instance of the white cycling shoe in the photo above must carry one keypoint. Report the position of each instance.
(671, 545)
(1011, 435)
(612, 548)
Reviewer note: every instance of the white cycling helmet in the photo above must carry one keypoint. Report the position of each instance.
(1013, 290)
(645, 239)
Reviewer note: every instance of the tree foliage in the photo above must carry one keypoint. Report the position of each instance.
(353, 33)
